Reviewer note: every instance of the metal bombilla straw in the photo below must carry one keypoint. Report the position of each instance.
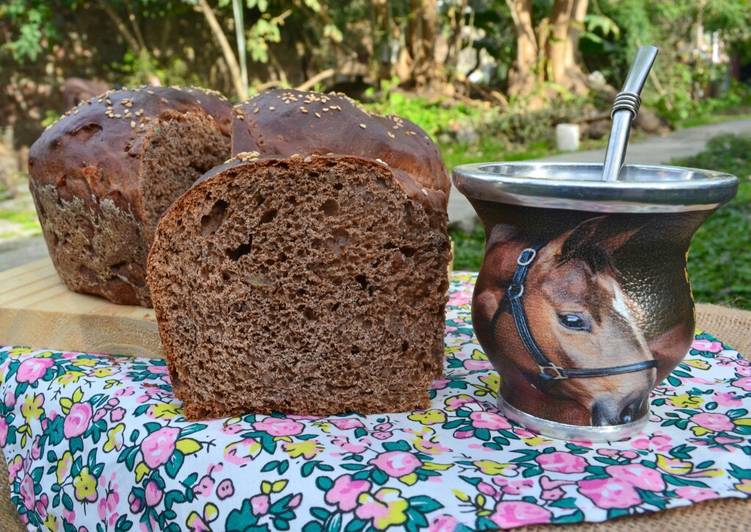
(625, 109)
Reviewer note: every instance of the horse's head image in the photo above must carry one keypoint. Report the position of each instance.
(556, 323)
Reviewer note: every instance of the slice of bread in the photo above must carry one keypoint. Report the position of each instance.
(311, 285)
(105, 172)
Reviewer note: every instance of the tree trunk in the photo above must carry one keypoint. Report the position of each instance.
(380, 57)
(522, 76)
(131, 41)
(421, 37)
(566, 19)
(229, 55)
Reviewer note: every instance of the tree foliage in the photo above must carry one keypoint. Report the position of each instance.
(522, 47)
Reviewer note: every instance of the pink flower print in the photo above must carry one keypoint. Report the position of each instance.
(439, 384)
(15, 466)
(638, 475)
(609, 493)
(381, 435)
(444, 523)
(10, 398)
(232, 429)
(345, 444)
(32, 369)
(41, 505)
(346, 423)
(134, 503)
(275, 426)
(727, 399)
(489, 420)
(548, 483)
(430, 447)
(383, 427)
(552, 494)
(27, 492)
(69, 515)
(99, 414)
(459, 298)
(124, 392)
(723, 440)
(295, 501)
(617, 453)
(706, 345)
(463, 434)
(108, 504)
(516, 487)
(457, 401)
(77, 420)
(259, 504)
(396, 463)
(36, 451)
(157, 369)
(743, 384)
(743, 371)
(3, 431)
(117, 414)
(242, 452)
(659, 441)
(204, 486)
(386, 508)
(476, 365)
(561, 462)
(152, 493)
(345, 491)
(225, 489)
(486, 489)
(157, 447)
(713, 421)
(695, 494)
(509, 514)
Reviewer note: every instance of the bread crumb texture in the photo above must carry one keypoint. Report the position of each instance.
(311, 286)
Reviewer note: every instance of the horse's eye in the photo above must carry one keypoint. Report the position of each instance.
(574, 321)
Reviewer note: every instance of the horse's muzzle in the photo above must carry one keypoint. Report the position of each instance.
(609, 412)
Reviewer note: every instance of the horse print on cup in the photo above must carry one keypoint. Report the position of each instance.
(558, 324)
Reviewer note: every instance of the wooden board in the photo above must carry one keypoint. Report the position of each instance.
(37, 309)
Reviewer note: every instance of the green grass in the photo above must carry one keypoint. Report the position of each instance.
(719, 262)
(27, 219)
(715, 118)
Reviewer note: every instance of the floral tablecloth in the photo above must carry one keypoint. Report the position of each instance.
(96, 442)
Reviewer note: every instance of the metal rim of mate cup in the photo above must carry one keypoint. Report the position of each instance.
(591, 190)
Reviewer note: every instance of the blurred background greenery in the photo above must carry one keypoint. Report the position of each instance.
(487, 79)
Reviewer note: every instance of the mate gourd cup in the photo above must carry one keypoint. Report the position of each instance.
(583, 302)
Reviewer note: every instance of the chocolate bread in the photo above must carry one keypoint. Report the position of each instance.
(104, 173)
(284, 122)
(310, 284)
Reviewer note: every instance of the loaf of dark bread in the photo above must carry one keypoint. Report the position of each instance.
(284, 122)
(307, 284)
(104, 173)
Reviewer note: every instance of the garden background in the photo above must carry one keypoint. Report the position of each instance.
(487, 79)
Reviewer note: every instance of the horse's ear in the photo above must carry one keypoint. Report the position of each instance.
(501, 233)
(595, 231)
(616, 241)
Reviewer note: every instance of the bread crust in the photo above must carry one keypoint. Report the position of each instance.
(85, 178)
(283, 122)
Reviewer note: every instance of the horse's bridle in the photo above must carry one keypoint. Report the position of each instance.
(548, 370)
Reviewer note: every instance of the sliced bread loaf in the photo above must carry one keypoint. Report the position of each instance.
(284, 122)
(309, 285)
(105, 172)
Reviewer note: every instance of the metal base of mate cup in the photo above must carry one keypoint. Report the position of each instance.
(583, 303)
